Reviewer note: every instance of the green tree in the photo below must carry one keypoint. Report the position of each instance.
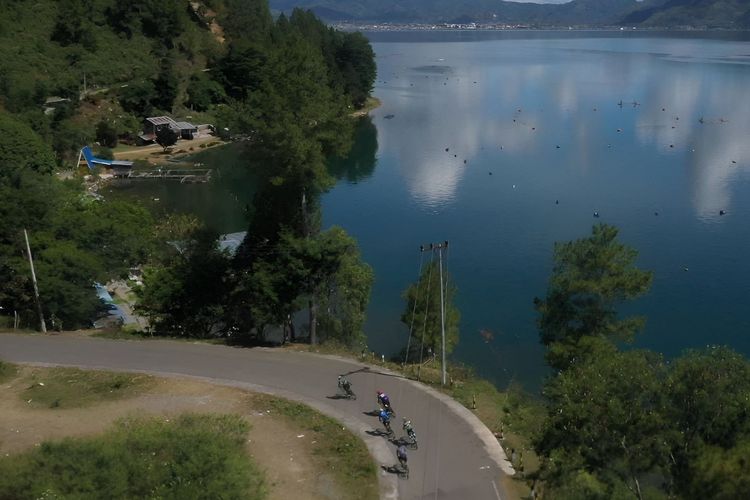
(590, 277)
(138, 98)
(709, 408)
(246, 19)
(315, 262)
(166, 86)
(243, 68)
(356, 63)
(186, 297)
(204, 92)
(719, 473)
(166, 137)
(345, 294)
(21, 149)
(606, 416)
(106, 134)
(73, 25)
(422, 312)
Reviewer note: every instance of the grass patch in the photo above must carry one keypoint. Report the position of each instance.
(73, 388)
(340, 453)
(7, 371)
(194, 456)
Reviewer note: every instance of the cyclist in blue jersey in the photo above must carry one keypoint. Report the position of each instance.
(385, 418)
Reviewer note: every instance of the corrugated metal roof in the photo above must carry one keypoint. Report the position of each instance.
(161, 120)
(185, 126)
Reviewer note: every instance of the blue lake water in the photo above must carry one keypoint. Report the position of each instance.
(540, 112)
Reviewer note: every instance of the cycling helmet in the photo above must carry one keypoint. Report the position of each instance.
(380, 392)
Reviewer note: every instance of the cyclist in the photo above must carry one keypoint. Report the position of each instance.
(385, 402)
(409, 430)
(402, 458)
(385, 418)
(345, 385)
(411, 435)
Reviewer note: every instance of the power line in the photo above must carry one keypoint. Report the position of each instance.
(438, 248)
(414, 309)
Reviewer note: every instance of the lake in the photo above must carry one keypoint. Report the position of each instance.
(650, 130)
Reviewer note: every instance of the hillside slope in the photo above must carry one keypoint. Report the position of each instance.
(711, 14)
(648, 13)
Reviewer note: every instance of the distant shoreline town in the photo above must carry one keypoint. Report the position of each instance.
(372, 26)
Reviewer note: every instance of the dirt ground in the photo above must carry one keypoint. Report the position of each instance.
(154, 153)
(283, 452)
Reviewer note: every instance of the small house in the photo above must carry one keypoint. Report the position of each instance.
(186, 130)
(153, 124)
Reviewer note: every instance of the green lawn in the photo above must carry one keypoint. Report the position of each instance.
(192, 457)
(73, 388)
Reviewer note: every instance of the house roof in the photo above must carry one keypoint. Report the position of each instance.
(185, 126)
(161, 120)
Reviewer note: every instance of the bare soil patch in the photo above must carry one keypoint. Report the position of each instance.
(275, 442)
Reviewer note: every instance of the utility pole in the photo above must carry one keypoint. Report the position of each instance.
(442, 305)
(36, 288)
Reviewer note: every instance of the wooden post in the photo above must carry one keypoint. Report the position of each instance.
(36, 288)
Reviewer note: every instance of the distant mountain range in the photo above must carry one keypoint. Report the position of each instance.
(716, 14)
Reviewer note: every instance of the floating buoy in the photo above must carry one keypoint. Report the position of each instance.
(722, 212)
(596, 214)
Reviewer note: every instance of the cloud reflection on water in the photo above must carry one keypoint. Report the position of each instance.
(441, 106)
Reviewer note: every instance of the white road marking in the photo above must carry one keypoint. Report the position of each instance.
(497, 493)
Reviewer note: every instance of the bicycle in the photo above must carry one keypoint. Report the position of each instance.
(346, 389)
(388, 429)
(412, 440)
(403, 468)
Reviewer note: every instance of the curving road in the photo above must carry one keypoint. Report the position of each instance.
(457, 457)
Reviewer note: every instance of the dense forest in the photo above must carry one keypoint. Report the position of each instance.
(83, 72)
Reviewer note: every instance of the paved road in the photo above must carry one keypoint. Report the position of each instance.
(456, 459)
